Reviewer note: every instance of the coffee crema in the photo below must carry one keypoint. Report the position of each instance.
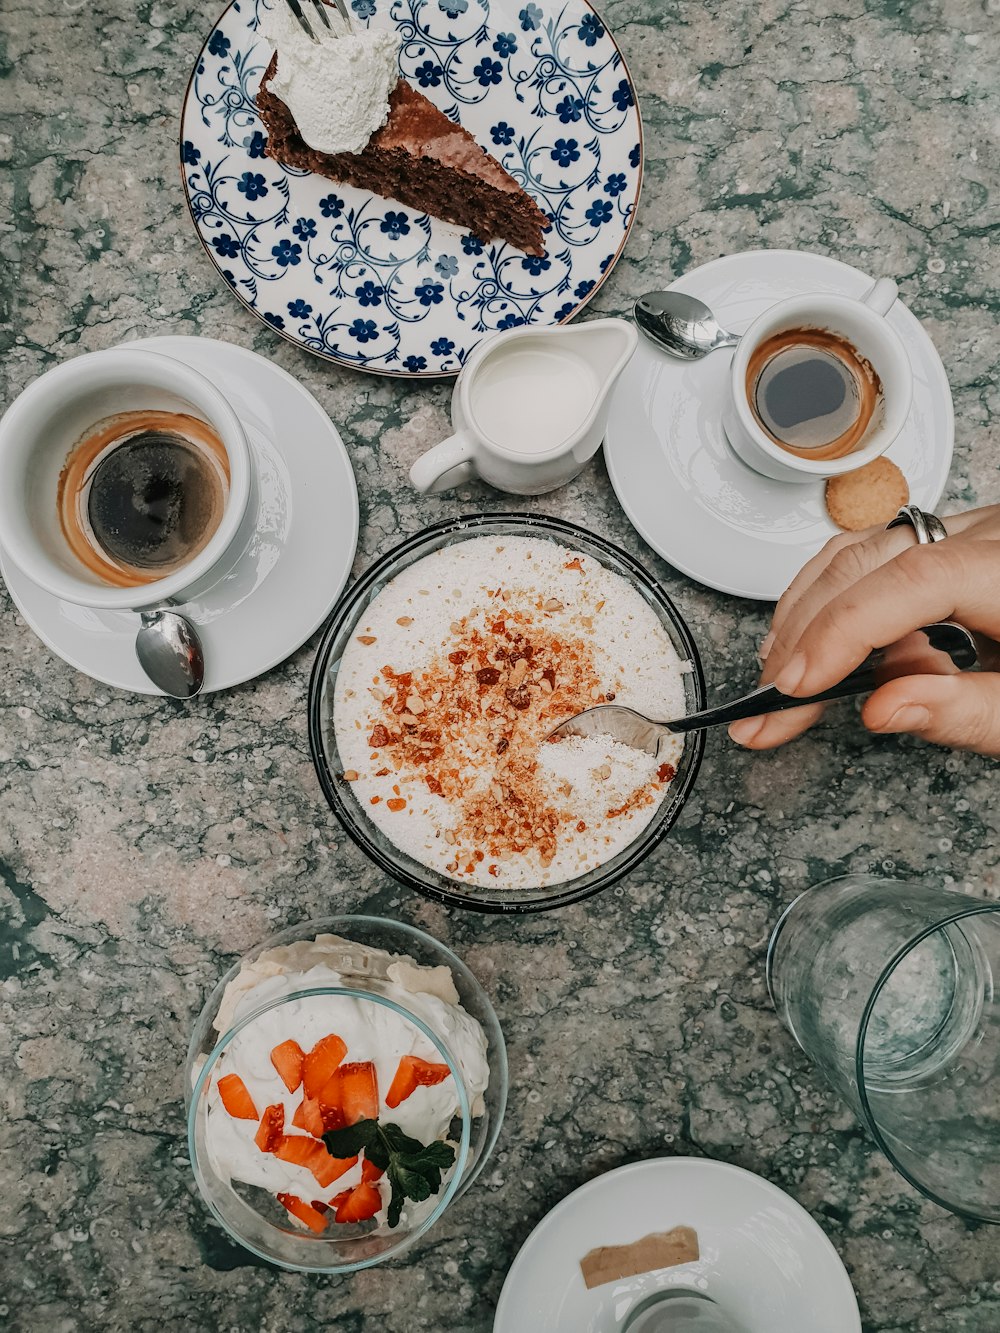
(812, 392)
(141, 494)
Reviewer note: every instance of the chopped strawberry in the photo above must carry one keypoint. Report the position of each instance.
(414, 1073)
(320, 1063)
(287, 1060)
(305, 1212)
(308, 1117)
(370, 1172)
(236, 1099)
(350, 1095)
(320, 1206)
(310, 1153)
(358, 1204)
(272, 1127)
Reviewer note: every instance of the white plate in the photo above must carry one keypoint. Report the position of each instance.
(295, 565)
(370, 283)
(763, 1258)
(675, 475)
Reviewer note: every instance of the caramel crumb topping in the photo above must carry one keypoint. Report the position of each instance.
(485, 707)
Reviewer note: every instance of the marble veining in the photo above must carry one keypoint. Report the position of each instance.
(144, 843)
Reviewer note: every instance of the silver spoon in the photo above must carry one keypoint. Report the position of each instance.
(933, 650)
(170, 652)
(681, 324)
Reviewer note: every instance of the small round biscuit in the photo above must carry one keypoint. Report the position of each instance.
(871, 495)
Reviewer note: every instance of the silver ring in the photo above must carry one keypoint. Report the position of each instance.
(927, 527)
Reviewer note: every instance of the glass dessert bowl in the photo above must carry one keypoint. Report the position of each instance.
(346, 1080)
(440, 675)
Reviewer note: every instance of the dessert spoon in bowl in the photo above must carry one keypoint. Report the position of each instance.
(933, 650)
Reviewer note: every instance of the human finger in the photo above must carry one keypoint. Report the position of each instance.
(947, 581)
(960, 711)
(774, 729)
(844, 560)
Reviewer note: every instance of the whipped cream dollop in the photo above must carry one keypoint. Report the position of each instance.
(337, 88)
(370, 1031)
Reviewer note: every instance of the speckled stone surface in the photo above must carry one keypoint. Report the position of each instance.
(143, 844)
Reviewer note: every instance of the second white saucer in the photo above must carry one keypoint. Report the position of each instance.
(680, 483)
(294, 568)
(762, 1257)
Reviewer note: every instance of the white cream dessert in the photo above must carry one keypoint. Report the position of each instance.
(455, 675)
(325, 1063)
(337, 87)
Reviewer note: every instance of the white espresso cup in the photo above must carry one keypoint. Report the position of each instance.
(530, 408)
(862, 323)
(39, 432)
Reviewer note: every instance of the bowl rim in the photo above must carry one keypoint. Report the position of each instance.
(561, 896)
(201, 1090)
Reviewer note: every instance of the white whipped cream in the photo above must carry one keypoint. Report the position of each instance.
(371, 1031)
(337, 88)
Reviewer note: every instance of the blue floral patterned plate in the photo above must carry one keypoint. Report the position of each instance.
(370, 284)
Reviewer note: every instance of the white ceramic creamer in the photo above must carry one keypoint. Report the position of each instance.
(530, 408)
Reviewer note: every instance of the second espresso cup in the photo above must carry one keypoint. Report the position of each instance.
(38, 434)
(863, 325)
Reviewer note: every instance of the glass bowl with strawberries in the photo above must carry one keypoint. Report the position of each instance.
(346, 1081)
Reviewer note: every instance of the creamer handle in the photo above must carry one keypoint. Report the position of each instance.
(448, 464)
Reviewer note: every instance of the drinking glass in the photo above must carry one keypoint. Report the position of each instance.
(889, 987)
(679, 1311)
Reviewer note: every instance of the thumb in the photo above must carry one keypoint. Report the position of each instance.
(962, 711)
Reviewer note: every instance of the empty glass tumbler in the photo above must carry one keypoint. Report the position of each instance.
(679, 1311)
(890, 987)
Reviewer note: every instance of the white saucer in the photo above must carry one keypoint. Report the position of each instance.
(293, 571)
(763, 1258)
(675, 475)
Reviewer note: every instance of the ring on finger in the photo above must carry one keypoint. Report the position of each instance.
(927, 527)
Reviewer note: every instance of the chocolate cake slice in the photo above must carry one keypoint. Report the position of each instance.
(422, 159)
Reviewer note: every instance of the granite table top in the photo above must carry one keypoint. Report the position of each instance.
(144, 843)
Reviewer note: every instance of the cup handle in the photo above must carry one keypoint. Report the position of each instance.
(881, 296)
(448, 464)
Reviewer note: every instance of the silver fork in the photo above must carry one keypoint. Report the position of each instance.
(320, 9)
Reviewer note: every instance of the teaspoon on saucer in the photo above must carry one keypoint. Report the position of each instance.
(681, 325)
(932, 650)
(170, 652)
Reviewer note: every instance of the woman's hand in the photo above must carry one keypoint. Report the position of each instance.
(866, 590)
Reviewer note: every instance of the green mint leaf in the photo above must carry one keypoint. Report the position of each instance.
(414, 1184)
(396, 1201)
(433, 1179)
(413, 1168)
(437, 1154)
(377, 1153)
(350, 1140)
(397, 1141)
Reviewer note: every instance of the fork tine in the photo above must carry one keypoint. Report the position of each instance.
(344, 13)
(296, 9)
(320, 8)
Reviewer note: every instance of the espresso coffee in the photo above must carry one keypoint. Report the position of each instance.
(141, 494)
(812, 392)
